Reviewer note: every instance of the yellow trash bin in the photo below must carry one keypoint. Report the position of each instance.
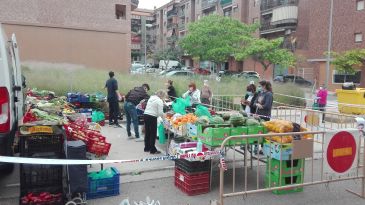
(355, 99)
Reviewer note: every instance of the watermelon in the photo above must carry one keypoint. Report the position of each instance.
(216, 120)
(252, 122)
(226, 116)
(237, 120)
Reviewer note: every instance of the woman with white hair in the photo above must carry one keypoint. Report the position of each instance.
(206, 94)
(154, 109)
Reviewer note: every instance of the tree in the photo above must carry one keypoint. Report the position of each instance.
(266, 52)
(215, 38)
(350, 62)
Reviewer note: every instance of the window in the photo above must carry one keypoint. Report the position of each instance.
(344, 78)
(358, 37)
(235, 9)
(187, 5)
(120, 11)
(360, 5)
(187, 19)
(227, 12)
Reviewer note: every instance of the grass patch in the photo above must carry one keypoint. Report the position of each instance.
(64, 80)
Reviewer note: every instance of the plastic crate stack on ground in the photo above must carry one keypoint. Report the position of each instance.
(289, 172)
(192, 178)
(103, 183)
(41, 184)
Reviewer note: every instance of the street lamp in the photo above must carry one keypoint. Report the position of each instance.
(329, 44)
(145, 41)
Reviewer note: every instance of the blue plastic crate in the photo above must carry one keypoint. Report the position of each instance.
(84, 98)
(100, 188)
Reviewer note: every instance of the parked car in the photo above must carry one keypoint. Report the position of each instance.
(201, 71)
(11, 96)
(228, 73)
(293, 79)
(137, 69)
(179, 73)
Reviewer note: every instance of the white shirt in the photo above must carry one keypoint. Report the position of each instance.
(248, 108)
(154, 106)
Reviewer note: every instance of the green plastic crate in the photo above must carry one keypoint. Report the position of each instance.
(253, 130)
(214, 135)
(285, 181)
(238, 131)
(287, 167)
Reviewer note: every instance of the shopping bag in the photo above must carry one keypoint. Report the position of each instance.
(161, 134)
(202, 111)
(97, 116)
(180, 105)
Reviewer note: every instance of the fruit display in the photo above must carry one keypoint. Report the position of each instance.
(216, 120)
(283, 126)
(279, 126)
(179, 120)
(203, 120)
(237, 119)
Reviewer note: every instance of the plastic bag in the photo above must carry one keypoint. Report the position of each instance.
(180, 105)
(97, 116)
(202, 111)
(161, 134)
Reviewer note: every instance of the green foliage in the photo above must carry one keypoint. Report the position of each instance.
(350, 61)
(215, 37)
(65, 79)
(266, 52)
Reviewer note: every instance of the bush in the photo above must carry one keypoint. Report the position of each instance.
(64, 80)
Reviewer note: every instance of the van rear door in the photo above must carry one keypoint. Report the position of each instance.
(18, 80)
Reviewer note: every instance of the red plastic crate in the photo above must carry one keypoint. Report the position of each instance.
(192, 179)
(193, 184)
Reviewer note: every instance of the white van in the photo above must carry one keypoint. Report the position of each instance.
(11, 96)
(170, 64)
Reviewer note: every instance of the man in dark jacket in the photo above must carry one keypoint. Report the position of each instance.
(112, 86)
(132, 99)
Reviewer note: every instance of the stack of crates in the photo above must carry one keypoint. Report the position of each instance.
(42, 178)
(192, 178)
(290, 172)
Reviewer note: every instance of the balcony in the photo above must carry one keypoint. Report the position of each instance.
(136, 46)
(206, 4)
(181, 13)
(225, 3)
(269, 28)
(134, 4)
(271, 4)
(284, 15)
(171, 13)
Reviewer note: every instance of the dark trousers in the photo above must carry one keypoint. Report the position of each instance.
(151, 133)
(113, 112)
(322, 108)
(131, 114)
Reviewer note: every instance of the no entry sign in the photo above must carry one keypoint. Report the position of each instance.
(341, 151)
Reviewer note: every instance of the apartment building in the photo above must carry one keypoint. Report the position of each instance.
(348, 32)
(143, 38)
(92, 33)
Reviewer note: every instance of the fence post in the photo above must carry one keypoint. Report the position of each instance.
(221, 184)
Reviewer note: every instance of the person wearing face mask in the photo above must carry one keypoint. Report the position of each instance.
(322, 100)
(194, 95)
(248, 104)
(264, 100)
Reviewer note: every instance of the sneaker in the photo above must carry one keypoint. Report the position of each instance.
(118, 126)
(157, 152)
(139, 139)
(111, 124)
(130, 137)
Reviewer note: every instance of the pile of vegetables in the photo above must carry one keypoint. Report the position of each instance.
(42, 198)
(43, 117)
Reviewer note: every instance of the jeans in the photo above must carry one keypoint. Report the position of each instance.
(113, 112)
(151, 133)
(323, 109)
(131, 114)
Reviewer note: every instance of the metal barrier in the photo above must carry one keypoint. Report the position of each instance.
(315, 177)
(227, 102)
